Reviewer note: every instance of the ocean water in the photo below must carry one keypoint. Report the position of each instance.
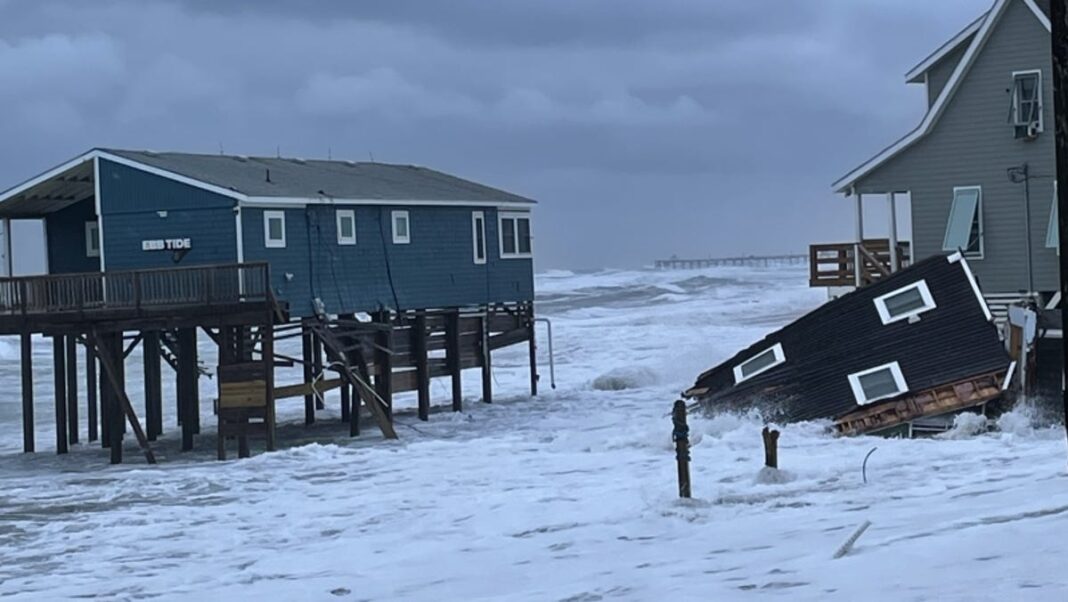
(567, 496)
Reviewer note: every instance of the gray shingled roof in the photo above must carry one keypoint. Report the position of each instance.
(313, 178)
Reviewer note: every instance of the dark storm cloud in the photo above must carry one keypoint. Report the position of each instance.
(645, 128)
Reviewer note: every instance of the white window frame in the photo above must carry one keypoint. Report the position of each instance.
(267, 240)
(858, 390)
(1053, 232)
(90, 226)
(979, 215)
(342, 215)
(780, 358)
(1016, 100)
(478, 226)
(884, 311)
(514, 216)
(397, 238)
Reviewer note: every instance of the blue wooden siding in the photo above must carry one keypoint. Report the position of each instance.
(131, 201)
(66, 239)
(436, 269)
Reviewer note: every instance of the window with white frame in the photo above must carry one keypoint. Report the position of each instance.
(1053, 233)
(346, 226)
(92, 239)
(515, 235)
(274, 229)
(905, 302)
(881, 382)
(402, 228)
(964, 230)
(478, 236)
(759, 363)
(1026, 114)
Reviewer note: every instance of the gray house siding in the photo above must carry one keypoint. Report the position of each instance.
(436, 269)
(65, 229)
(973, 144)
(939, 73)
(131, 200)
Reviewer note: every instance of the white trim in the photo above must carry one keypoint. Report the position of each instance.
(97, 208)
(858, 390)
(295, 202)
(775, 350)
(1054, 300)
(397, 238)
(954, 258)
(1042, 18)
(48, 175)
(1041, 99)
(978, 215)
(339, 216)
(268, 242)
(239, 234)
(91, 225)
(925, 294)
(514, 216)
(943, 50)
(478, 226)
(1008, 376)
(843, 183)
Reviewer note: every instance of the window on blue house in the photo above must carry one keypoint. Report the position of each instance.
(964, 229)
(402, 234)
(515, 235)
(274, 229)
(92, 239)
(346, 227)
(478, 236)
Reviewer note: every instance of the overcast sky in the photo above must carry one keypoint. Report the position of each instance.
(644, 129)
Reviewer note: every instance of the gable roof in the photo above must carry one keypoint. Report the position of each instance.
(1040, 8)
(916, 74)
(955, 340)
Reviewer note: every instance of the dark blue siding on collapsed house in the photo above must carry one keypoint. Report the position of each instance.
(436, 269)
(65, 230)
(131, 200)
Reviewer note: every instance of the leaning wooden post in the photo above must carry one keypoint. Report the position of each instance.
(681, 436)
(771, 447)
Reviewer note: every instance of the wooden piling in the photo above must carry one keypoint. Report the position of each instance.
(309, 374)
(453, 359)
(91, 389)
(317, 367)
(771, 447)
(422, 368)
(153, 384)
(383, 364)
(267, 353)
(72, 388)
(533, 352)
(59, 363)
(27, 393)
(346, 402)
(681, 436)
(113, 372)
(485, 357)
(188, 402)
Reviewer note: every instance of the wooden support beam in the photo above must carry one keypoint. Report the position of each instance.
(27, 393)
(115, 376)
(303, 388)
(309, 375)
(317, 367)
(133, 345)
(267, 345)
(91, 391)
(72, 388)
(188, 402)
(422, 371)
(105, 397)
(533, 351)
(384, 365)
(346, 402)
(486, 359)
(109, 350)
(153, 384)
(59, 362)
(452, 356)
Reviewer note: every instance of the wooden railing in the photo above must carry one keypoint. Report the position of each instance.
(836, 264)
(136, 289)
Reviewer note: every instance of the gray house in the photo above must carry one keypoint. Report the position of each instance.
(979, 168)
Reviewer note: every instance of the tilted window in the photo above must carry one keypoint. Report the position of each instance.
(274, 229)
(905, 302)
(759, 363)
(346, 226)
(402, 234)
(515, 235)
(1027, 103)
(964, 230)
(478, 236)
(882, 382)
(92, 239)
(1053, 232)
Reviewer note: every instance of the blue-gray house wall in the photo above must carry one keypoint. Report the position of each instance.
(66, 244)
(436, 269)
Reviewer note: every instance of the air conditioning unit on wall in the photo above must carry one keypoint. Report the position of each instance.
(1033, 129)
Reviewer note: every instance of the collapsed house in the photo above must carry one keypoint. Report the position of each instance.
(916, 345)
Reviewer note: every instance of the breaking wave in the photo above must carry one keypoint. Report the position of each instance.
(623, 378)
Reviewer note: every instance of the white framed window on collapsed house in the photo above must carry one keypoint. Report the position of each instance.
(92, 239)
(759, 363)
(515, 236)
(905, 302)
(964, 228)
(402, 228)
(881, 382)
(478, 236)
(1053, 234)
(274, 229)
(346, 226)
(1026, 114)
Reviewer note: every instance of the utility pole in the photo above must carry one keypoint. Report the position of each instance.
(1059, 46)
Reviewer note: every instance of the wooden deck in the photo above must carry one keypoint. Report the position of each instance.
(836, 264)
